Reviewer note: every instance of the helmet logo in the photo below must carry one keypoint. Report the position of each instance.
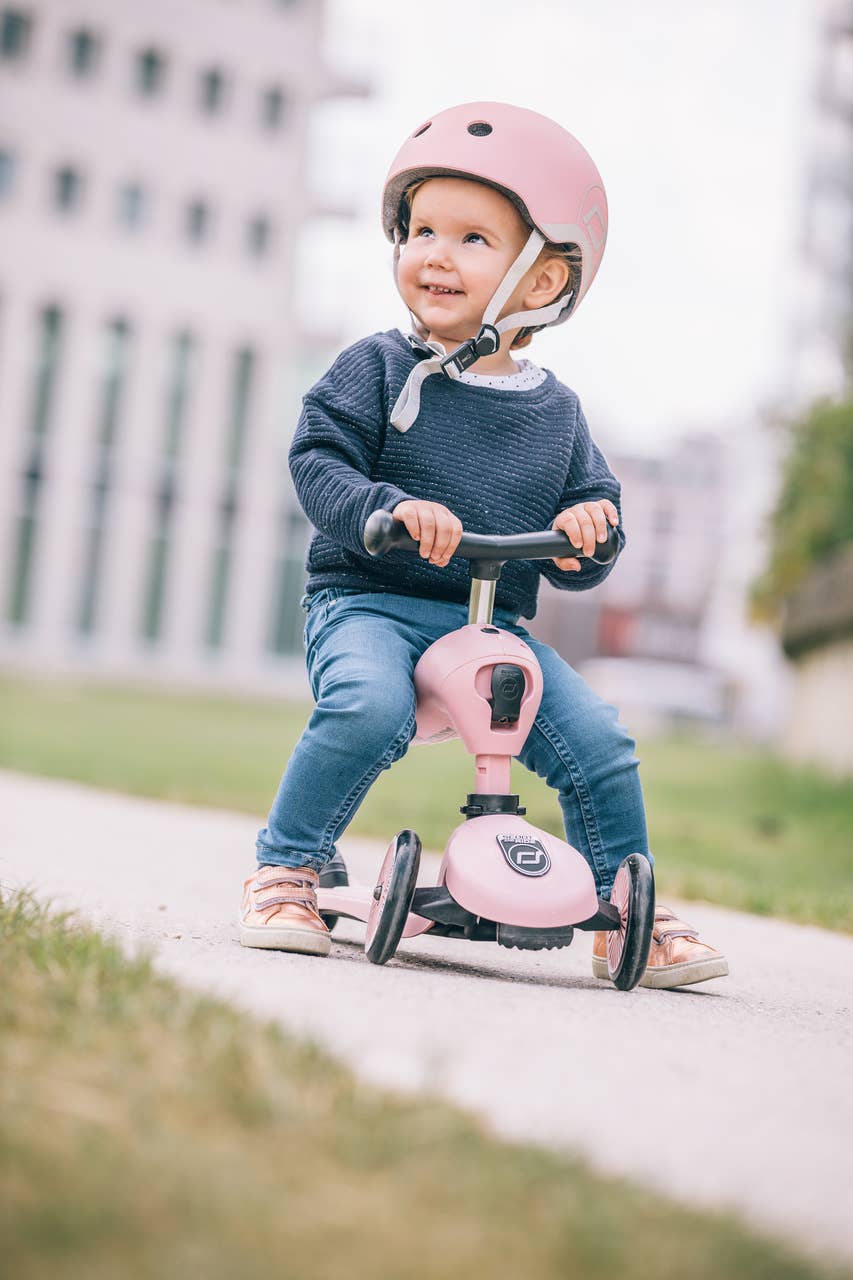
(527, 856)
(594, 219)
(480, 129)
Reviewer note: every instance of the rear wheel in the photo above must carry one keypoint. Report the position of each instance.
(634, 897)
(333, 874)
(392, 897)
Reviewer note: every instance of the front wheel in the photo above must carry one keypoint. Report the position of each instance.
(634, 897)
(392, 897)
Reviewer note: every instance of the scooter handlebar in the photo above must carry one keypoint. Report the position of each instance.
(382, 533)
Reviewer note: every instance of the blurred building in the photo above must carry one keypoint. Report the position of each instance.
(638, 637)
(667, 636)
(654, 605)
(152, 192)
(823, 328)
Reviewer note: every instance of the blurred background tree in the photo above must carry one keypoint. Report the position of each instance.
(813, 517)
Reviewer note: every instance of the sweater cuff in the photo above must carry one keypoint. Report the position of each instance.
(385, 498)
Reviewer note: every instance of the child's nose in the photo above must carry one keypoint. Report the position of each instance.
(438, 254)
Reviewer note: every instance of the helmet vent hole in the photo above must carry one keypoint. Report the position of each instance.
(422, 129)
(480, 129)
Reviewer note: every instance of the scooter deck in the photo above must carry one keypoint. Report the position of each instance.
(434, 909)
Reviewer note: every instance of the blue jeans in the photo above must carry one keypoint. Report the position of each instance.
(361, 650)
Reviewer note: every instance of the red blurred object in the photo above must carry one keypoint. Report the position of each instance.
(616, 631)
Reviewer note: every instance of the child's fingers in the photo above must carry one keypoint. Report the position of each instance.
(407, 514)
(577, 523)
(610, 511)
(427, 537)
(568, 523)
(447, 536)
(439, 547)
(433, 526)
(589, 531)
(566, 562)
(595, 511)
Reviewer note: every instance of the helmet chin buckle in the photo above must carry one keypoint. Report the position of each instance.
(486, 343)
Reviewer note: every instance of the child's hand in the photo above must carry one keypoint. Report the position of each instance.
(585, 523)
(433, 526)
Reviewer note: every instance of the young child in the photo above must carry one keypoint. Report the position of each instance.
(499, 219)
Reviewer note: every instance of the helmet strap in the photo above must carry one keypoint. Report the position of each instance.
(523, 262)
(488, 339)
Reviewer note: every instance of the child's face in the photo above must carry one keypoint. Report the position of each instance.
(463, 238)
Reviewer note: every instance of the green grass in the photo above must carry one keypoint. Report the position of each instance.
(732, 825)
(148, 1133)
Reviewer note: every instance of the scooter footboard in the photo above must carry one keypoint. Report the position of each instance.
(355, 901)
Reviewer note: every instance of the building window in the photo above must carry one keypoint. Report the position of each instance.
(15, 31)
(84, 49)
(132, 205)
(67, 189)
(258, 233)
(287, 620)
(43, 402)
(150, 72)
(7, 173)
(241, 388)
(178, 388)
(212, 90)
(197, 221)
(112, 393)
(272, 108)
(242, 379)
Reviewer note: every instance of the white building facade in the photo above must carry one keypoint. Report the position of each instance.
(152, 191)
(822, 335)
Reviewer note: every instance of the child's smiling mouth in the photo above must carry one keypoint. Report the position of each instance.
(440, 290)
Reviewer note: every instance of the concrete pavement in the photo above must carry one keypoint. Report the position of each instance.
(735, 1093)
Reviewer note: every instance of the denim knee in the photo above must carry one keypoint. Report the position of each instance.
(372, 713)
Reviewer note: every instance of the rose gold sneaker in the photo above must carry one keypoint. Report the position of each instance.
(279, 911)
(676, 957)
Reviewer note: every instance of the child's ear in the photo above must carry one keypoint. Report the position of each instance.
(549, 282)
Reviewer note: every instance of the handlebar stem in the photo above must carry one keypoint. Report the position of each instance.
(481, 604)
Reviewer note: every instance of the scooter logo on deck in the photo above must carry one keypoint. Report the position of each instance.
(527, 857)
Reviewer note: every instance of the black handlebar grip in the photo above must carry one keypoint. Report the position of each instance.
(608, 549)
(382, 533)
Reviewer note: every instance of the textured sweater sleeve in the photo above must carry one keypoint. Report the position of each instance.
(336, 444)
(589, 479)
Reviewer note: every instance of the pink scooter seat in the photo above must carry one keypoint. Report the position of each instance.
(455, 672)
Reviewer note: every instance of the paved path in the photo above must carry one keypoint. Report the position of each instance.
(735, 1093)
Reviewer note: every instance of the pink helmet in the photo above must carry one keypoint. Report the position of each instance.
(532, 160)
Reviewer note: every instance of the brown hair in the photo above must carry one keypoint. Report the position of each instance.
(570, 253)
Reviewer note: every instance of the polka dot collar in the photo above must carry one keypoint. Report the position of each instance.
(529, 375)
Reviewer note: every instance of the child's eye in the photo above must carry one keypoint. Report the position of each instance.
(424, 231)
(474, 236)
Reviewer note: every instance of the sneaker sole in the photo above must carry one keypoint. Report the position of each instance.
(674, 975)
(305, 941)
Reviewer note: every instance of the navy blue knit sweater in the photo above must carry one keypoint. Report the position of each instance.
(502, 461)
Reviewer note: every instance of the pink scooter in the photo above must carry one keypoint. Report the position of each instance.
(501, 879)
